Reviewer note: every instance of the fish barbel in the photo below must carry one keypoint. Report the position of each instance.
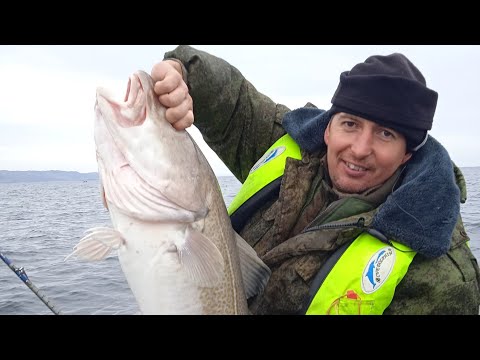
(176, 246)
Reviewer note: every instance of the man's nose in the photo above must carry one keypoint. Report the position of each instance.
(363, 144)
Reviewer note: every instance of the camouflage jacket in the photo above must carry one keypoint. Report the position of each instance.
(240, 124)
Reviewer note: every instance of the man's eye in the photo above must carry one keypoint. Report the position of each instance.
(387, 134)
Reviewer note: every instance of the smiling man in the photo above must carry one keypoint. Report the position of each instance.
(356, 210)
(362, 154)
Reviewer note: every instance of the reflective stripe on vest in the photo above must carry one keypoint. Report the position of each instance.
(364, 279)
(268, 168)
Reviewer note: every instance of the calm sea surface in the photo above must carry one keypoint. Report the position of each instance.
(41, 222)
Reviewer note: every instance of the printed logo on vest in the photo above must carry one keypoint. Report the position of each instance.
(268, 156)
(378, 269)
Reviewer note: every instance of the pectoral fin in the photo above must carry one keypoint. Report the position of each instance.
(254, 272)
(97, 244)
(201, 259)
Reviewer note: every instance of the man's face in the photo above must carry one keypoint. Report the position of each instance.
(362, 154)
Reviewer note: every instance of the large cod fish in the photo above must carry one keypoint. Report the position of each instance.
(176, 246)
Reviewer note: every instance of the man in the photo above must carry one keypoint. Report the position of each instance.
(356, 210)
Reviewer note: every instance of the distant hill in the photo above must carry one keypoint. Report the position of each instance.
(7, 176)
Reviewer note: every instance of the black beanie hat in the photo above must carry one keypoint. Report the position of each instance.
(390, 91)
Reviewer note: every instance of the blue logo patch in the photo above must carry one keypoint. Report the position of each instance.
(378, 269)
(268, 156)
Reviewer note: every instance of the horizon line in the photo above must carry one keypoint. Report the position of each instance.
(88, 172)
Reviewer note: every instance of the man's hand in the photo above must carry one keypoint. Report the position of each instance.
(173, 93)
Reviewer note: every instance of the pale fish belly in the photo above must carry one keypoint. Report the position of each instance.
(151, 266)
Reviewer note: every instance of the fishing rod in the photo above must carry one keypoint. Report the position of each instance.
(24, 277)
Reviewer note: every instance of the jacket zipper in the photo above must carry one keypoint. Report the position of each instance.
(357, 224)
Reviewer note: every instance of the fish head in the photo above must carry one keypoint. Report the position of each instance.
(133, 130)
(126, 121)
(135, 143)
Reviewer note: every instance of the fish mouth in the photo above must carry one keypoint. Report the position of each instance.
(134, 89)
(132, 111)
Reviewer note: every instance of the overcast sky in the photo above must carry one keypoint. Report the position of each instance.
(48, 92)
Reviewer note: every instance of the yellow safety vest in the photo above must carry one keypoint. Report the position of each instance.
(364, 278)
(261, 175)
